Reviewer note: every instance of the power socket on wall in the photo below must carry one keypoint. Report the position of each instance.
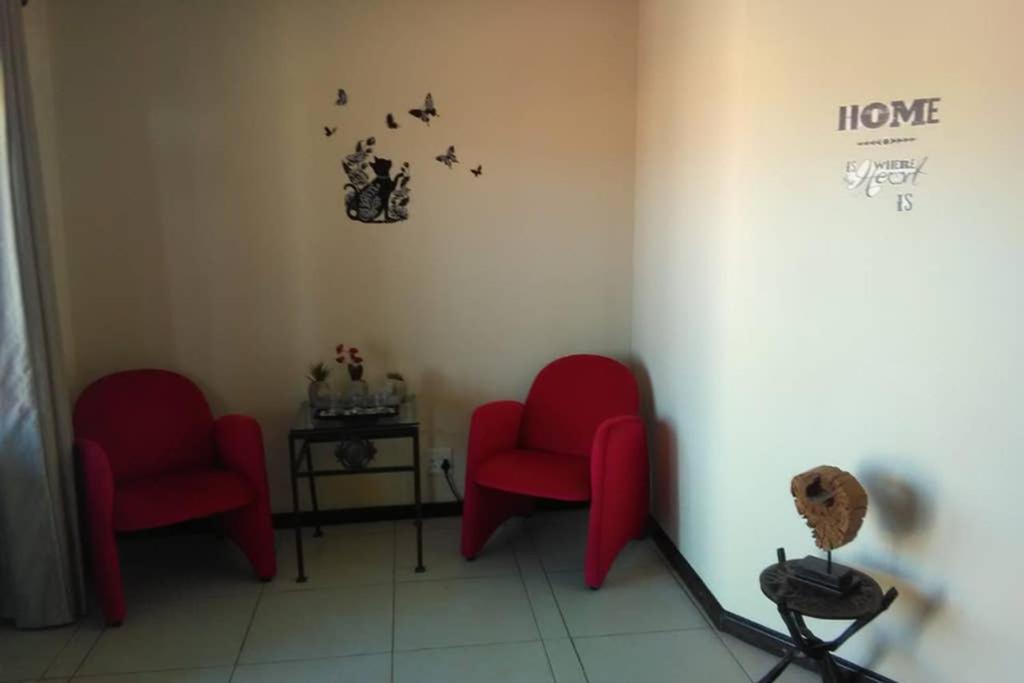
(438, 456)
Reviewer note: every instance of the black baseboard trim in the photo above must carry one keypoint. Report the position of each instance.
(744, 629)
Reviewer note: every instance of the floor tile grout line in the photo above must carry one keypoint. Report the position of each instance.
(56, 656)
(371, 653)
(460, 646)
(686, 591)
(245, 636)
(502, 575)
(561, 614)
(134, 672)
(394, 598)
(533, 613)
(707, 618)
(264, 662)
(646, 632)
(88, 653)
(732, 654)
(360, 584)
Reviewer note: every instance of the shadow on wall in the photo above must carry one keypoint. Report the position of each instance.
(445, 411)
(665, 455)
(902, 501)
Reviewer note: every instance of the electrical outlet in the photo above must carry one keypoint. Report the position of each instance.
(437, 458)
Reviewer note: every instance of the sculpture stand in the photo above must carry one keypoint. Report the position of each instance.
(797, 598)
(822, 574)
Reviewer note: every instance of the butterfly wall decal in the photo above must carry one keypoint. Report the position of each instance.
(328, 132)
(342, 97)
(427, 112)
(477, 171)
(448, 158)
(392, 124)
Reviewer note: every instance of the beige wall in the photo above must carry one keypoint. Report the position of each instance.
(38, 38)
(203, 215)
(778, 320)
(787, 322)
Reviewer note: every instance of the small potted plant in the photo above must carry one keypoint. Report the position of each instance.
(353, 362)
(319, 390)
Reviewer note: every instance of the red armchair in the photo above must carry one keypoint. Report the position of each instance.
(151, 454)
(578, 437)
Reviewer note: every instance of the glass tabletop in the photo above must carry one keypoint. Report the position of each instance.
(306, 422)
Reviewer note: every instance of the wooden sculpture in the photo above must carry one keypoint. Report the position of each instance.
(833, 502)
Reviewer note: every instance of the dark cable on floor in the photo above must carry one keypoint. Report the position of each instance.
(446, 467)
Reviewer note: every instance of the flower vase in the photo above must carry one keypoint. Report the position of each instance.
(357, 388)
(319, 395)
(396, 389)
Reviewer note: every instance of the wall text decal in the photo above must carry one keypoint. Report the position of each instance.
(871, 175)
(919, 112)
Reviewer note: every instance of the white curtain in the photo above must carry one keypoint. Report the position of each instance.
(40, 568)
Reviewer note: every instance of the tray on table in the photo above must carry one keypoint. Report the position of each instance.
(355, 413)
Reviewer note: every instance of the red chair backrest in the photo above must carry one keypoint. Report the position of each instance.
(570, 397)
(148, 422)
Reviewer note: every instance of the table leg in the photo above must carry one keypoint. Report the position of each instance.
(296, 518)
(419, 507)
(312, 490)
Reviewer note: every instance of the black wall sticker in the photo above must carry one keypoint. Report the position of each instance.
(448, 158)
(374, 191)
(427, 112)
(870, 176)
(380, 198)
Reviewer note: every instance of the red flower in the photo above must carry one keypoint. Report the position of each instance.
(353, 351)
(339, 348)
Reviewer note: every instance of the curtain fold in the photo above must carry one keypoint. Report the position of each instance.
(40, 566)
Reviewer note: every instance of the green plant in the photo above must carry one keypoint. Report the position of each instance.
(318, 372)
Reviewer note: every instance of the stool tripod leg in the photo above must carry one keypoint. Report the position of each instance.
(778, 668)
(830, 672)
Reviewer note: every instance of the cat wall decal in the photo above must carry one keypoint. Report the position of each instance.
(380, 198)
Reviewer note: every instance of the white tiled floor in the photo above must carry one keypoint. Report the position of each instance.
(519, 613)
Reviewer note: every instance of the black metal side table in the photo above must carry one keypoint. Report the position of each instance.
(796, 600)
(307, 430)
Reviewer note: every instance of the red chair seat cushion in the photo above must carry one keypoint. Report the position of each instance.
(177, 496)
(537, 473)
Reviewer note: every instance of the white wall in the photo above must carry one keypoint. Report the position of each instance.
(203, 214)
(786, 322)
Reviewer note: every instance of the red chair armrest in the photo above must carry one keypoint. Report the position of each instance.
(619, 488)
(619, 453)
(98, 479)
(239, 442)
(493, 427)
